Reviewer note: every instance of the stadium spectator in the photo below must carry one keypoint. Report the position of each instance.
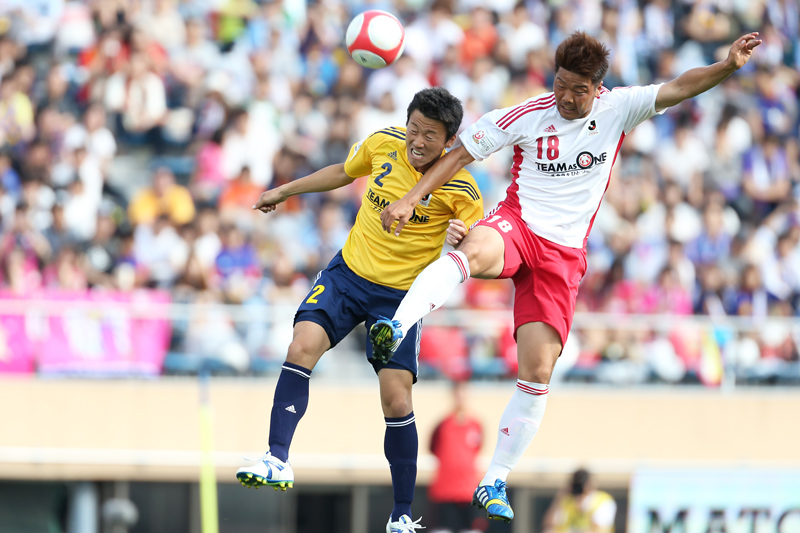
(16, 112)
(581, 508)
(137, 97)
(165, 197)
(455, 442)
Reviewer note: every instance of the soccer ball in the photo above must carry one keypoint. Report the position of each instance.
(375, 39)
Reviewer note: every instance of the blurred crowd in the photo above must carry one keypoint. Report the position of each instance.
(135, 135)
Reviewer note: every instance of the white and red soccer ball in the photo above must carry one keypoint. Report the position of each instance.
(375, 39)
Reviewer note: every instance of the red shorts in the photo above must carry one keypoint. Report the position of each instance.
(546, 275)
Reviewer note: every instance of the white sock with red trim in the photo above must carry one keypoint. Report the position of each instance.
(518, 426)
(432, 288)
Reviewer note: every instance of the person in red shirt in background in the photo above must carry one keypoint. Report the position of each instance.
(456, 442)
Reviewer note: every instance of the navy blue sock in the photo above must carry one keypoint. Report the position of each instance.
(288, 407)
(400, 445)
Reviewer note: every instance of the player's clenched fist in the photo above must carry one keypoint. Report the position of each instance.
(455, 232)
(269, 200)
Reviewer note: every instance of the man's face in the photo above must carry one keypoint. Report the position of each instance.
(425, 140)
(575, 94)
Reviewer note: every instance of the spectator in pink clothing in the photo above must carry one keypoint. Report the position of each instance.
(668, 296)
(209, 180)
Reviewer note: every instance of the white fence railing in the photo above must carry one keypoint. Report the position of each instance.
(613, 348)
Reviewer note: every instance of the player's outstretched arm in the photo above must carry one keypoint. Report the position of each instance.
(699, 80)
(326, 179)
(439, 174)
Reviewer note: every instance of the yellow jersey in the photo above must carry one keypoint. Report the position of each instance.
(378, 256)
(596, 510)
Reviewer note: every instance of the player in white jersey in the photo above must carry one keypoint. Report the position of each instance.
(565, 144)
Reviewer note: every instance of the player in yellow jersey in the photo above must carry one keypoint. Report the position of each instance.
(368, 279)
(581, 508)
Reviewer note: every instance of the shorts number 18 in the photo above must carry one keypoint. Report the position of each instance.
(504, 225)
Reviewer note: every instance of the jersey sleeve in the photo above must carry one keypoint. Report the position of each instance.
(486, 137)
(635, 104)
(359, 160)
(465, 198)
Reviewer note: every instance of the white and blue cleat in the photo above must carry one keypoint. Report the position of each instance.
(269, 471)
(493, 499)
(386, 336)
(404, 524)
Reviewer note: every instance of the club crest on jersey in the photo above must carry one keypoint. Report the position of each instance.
(426, 200)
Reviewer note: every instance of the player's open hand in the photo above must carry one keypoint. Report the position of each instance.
(455, 232)
(742, 49)
(269, 200)
(401, 211)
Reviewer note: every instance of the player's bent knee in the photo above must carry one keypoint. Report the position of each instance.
(484, 250)
(396, 401)
(538, 374)
(397, 406)
(304, 354)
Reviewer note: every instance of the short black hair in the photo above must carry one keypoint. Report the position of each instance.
(584, 55)
(437, 103)
(579, 480)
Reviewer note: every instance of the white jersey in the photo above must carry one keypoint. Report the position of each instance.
(561, 168)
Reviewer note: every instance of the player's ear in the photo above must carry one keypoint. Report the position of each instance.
(451, 141)
(597, 90)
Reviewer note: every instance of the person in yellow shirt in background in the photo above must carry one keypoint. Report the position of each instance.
(16, 112)
(581, 508)
(165, 197)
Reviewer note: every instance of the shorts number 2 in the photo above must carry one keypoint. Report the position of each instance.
(316, 291)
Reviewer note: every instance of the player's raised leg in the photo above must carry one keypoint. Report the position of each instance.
(480, 254)
(400, 445)
(538, 348)
(289, 405)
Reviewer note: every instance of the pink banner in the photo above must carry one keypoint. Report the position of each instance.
(90, 333)
(16, 350)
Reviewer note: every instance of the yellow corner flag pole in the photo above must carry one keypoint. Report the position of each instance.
(208, 478)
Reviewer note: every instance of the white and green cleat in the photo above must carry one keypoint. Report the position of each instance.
(269, 471)
(403, 525)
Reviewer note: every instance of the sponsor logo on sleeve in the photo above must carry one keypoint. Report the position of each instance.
(356, 149)
(484, 143)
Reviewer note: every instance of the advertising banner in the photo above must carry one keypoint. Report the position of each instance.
(706, 500)
(87, 333)
(16, 350)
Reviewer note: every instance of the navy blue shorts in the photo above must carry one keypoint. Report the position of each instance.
(341, 299)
